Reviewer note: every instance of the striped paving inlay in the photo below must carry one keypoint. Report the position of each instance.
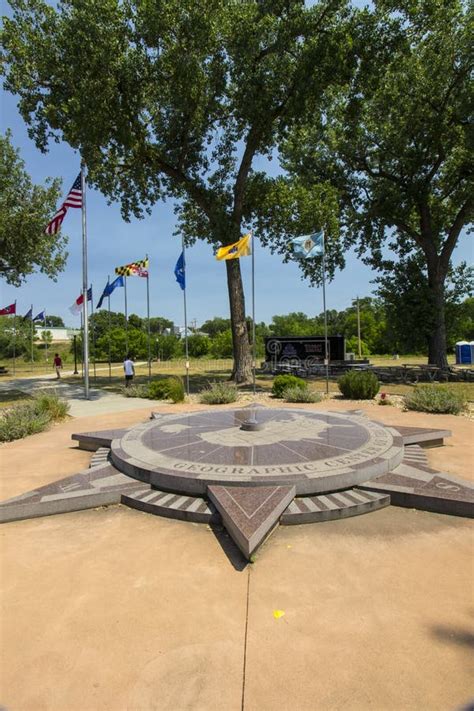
(415, 453)
(161, 503)
(339, 504)
(100, 456)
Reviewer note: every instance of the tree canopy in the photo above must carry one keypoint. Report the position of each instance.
(177, 99)
(25, 210)
(397, 143)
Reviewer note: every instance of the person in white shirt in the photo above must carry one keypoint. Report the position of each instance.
(129, 370)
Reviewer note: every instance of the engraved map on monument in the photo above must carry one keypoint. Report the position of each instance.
(293, 429)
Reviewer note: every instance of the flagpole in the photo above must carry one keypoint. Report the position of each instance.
(110, 357)
(148, 317)
(93, 332)
(14, 341)
(186, 352)
(85, 340)
(46, 339)
(126, 314)
(31, 333)
(254, 348)
(82, 337)
(326, 351)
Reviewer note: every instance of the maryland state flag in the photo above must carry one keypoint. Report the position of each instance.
(242, 248)
(134, 269)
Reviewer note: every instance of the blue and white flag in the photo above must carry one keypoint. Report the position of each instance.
(109, 288)
(180, 272)
(40, 316)
(308, 246)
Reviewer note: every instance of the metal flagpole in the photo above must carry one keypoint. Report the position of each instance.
(110, 358)
(14, 340)
(326, 350)
(82, 337)
(85, 340)
(148, 318)
(185, 318)
(93, 332)
(254, 345)
(46, 338)
(31, 332)
(126, 314)
(358, 328)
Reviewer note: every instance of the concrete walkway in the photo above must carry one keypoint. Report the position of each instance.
(101, 401)
(114, 609)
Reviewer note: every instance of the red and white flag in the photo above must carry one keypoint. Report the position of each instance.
(74, 199)
(76, 308)
(8, 310)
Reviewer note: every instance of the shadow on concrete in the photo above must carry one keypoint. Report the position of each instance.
(228, 546)
(460, 637)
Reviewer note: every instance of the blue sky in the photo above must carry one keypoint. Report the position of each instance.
(113, 242)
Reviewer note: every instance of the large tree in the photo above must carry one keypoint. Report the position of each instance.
(397, 144)
(176, 99)
(25, 210)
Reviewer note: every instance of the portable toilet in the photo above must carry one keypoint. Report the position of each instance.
(464, 355)
(472, 351)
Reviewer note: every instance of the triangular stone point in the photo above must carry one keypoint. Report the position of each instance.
(250, 512)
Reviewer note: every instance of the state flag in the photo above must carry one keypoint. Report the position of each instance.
(109, 288)
(242, 248)
(307, 246)
(76, 307)
(180, 271)
(8, 310)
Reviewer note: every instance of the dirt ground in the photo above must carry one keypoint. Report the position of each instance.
(117, 609)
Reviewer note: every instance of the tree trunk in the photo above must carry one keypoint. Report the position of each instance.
(437, 348)
(242, 371)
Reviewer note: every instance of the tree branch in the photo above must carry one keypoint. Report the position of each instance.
(459, 221)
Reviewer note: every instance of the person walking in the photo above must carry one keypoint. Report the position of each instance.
(58, 364)
(129, 370)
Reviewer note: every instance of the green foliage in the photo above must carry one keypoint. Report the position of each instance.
(358, 385)
(298, 393)
(215, 325)
(51, 403)
(137, 344)
(53, 321)
(435, 399)
(25, 210)
(198, 346)
(168, 347)
(218, 393)
(176, 391)
(282, 382)
(352, 346)
(221, 345)
(177, 100)
(167, 389)
(31, 417)
(398, 145)
(138, 390)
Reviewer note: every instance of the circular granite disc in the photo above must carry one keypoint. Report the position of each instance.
(315, 451)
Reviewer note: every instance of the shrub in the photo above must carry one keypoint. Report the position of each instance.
(219, 394)
(296, 393)
(175, 389)
(158, 390)
(137, 391)
(32, 417)
(384, 399)
(52, 404)
(282, 382)
(21, 421)
(436, 399)
(358, 385)
(167, 388)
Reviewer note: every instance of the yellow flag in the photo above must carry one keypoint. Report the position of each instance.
(242, 248)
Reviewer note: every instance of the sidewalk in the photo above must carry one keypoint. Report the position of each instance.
(101, 402)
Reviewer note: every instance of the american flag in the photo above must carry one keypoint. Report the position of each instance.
(73, 199)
